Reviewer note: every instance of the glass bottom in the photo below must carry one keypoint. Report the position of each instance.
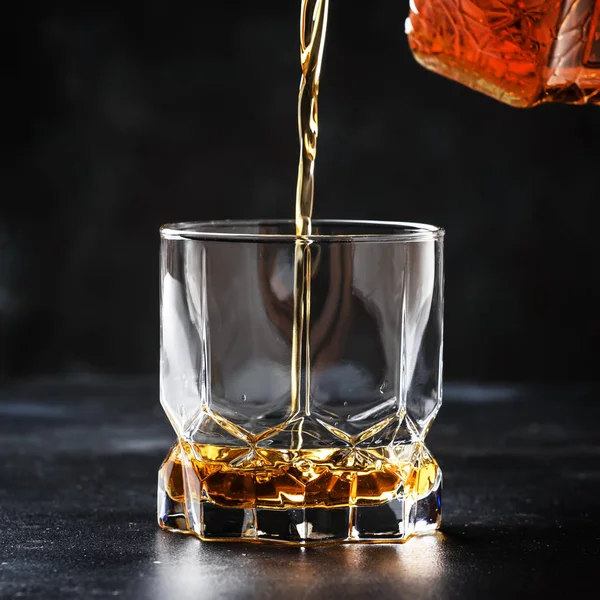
(396, 520)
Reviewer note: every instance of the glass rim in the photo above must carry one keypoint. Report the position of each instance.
(199, 230)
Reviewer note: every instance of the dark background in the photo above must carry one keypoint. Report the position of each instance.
(127, 116)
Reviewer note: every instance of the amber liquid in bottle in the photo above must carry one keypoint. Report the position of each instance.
(522, 52)
(298, 477)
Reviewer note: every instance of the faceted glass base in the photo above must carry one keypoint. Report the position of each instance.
(393, 521)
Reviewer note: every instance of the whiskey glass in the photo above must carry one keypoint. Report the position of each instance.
(330, 448)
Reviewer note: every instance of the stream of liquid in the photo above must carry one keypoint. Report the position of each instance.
(313, 29)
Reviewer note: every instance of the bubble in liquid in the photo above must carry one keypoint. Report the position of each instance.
(345, 404)
(244, 397)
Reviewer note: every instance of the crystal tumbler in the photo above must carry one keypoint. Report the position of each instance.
(301, 376)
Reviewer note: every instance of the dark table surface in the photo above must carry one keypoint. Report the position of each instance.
(77, 505)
